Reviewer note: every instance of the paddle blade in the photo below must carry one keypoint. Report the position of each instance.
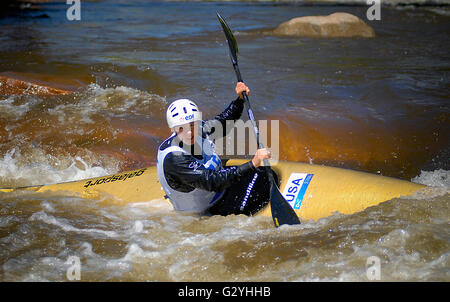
(232, 44)
(282, 212)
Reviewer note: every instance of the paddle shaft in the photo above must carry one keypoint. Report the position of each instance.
(250, 112)
(282, 212)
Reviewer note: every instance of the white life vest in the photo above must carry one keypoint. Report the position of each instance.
(197, 200)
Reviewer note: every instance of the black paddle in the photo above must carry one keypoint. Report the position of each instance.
(282, 212)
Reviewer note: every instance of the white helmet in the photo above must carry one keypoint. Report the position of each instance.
(182, 111)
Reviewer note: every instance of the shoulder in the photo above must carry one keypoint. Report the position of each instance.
(170, 153)
(177, 160)
(172, 140)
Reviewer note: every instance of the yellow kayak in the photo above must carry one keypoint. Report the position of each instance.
(313, 191)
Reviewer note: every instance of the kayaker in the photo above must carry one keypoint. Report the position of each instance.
(191, 172)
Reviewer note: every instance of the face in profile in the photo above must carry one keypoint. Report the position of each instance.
(188, 132)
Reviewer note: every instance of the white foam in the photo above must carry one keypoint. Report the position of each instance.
(47, 207)
(8, 165)
(87, 250)
(49, 219)
(119, 99)
(136, 254)
(138, 227)
(43, 172)
(12, 109)
(438, 178)
(86, 106)
(437, 182)
(6, 221)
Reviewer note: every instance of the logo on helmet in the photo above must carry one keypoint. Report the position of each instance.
(187, 118)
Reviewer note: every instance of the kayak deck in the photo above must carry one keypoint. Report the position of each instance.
(313, 191)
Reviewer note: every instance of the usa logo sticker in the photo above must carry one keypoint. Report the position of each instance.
(295, 189)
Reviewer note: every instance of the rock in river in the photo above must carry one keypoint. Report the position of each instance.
(331, 26)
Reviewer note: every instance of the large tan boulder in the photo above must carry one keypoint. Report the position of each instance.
(331, 26)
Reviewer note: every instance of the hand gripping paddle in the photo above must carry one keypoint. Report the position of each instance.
(282, 212)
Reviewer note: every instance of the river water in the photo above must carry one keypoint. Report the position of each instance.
(378, 105)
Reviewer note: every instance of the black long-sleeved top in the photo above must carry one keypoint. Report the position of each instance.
(184, 172)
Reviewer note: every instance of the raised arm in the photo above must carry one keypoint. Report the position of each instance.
(232, 112)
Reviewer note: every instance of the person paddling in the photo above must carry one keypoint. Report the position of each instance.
(191, 172)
